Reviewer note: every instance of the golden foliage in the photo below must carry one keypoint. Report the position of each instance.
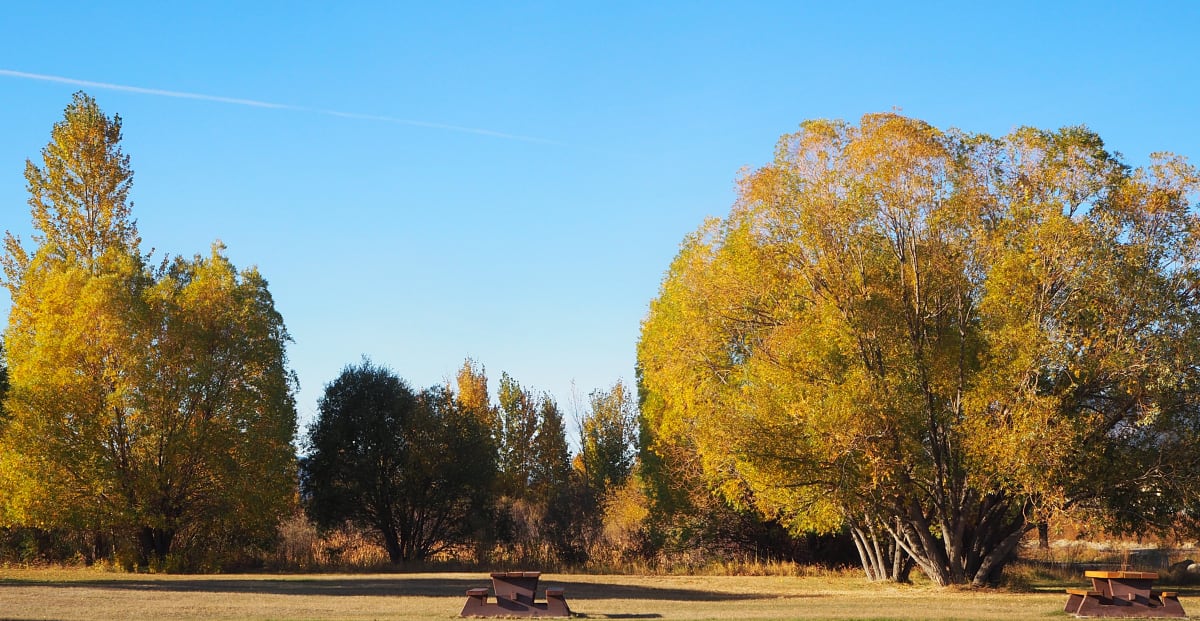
(154, 403)
(896, 322)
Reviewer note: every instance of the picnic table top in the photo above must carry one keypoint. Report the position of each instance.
(1122, 575)
(516, 574)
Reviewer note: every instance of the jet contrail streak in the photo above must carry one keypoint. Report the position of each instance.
(143, 91)
(266, 104)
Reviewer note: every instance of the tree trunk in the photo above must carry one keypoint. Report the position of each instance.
(992, 566)
(101, 547)
(862, 544)
(979, 538)
(882, 558)
(155, 544)
(391, 543)
(902, 564)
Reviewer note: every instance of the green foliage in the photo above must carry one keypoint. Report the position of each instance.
(608, 438)
(516, 426)
(532, 439)
(551, 465)
(153, 404)
(933, 338)
(418, 468)
(538, 509)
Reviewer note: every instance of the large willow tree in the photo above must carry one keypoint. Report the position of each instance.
(149, 407)
(938, 340)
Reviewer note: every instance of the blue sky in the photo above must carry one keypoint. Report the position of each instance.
(509, 180)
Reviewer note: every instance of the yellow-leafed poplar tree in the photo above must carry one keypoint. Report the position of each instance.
(151, 407)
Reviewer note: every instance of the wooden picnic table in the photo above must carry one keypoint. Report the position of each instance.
(515, 593)
(1123, 594)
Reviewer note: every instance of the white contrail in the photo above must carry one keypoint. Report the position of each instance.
(143, 91)
(266, 104)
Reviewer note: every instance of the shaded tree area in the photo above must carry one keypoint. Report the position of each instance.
(936, 341)
(417, 468)
(537, 492)
(149, 415)
(512, 492)
(693, 520)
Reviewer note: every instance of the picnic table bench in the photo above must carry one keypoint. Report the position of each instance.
(515, 597)
(1123, 594)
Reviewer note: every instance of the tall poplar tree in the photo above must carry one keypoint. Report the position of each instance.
(472, 392)
(516, 427)
(551, 462)
(608, 438)
(152, 404)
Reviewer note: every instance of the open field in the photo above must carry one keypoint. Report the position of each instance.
(90, 594)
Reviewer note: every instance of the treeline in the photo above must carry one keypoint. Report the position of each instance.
(927, 345)
(447, 472)
(147, 420)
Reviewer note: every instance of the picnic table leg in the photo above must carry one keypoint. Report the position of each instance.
(1170, 605)
(1072, 607)
(1084, 603)
(476, 603)
(556, 604)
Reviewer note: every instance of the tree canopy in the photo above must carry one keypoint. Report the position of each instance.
(151, 403)
(937, 339)
(608, 438)
(416, 467)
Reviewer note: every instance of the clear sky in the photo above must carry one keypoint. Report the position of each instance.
(510, 180)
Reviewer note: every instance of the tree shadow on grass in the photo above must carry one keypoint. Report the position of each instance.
(399, 586)
(617, 616)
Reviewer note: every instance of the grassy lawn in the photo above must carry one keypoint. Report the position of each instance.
(79, 594)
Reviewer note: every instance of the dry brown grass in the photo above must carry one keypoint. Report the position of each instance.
(82, 594)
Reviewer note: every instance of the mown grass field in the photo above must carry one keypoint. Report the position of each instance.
(79, 594)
